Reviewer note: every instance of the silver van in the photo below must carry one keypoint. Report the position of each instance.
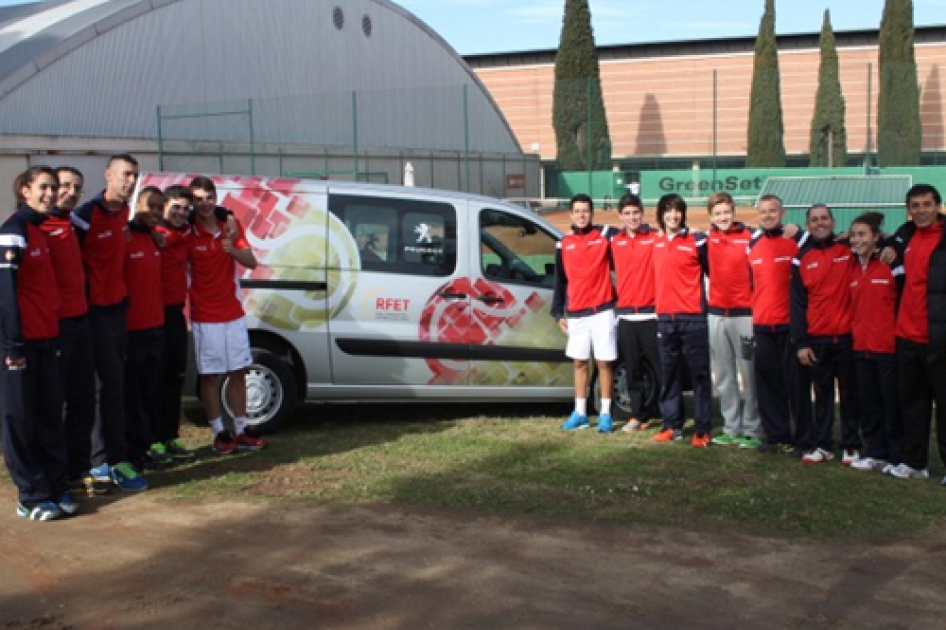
(370, 293)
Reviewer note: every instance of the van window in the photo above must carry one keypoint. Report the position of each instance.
(515, 249)
(403, 236)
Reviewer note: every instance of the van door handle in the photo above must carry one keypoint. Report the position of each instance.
(490, 299)
(453, 296)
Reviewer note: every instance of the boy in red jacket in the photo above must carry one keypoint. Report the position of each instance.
(583, 305)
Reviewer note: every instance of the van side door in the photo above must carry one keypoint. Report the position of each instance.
(407, 322)
(514, 340)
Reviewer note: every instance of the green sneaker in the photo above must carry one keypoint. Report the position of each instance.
(749, 442)
(175, 449)
(724, 439)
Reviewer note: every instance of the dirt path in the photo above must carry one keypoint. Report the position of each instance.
(145, 562)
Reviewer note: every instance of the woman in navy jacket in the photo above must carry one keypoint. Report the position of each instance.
(34, 440)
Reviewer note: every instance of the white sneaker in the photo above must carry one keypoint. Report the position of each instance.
(817, 456)
(850, 456)
(869, 463)
(902, 471)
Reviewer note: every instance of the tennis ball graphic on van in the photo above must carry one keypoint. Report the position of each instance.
(307, 252)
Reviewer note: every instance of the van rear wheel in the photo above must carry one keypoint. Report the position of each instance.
(270, 392)
(631, 391)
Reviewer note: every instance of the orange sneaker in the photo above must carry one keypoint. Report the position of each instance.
(668, 435)
(701, 440)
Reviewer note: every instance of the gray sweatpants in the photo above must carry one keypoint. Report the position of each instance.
(731, 354)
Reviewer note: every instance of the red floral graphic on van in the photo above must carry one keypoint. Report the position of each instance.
(507, 321)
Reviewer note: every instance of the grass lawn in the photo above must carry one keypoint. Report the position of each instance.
(502, 461)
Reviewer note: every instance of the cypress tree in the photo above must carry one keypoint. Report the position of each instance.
(827, 123)
(766, 147)
(899, 131)
(578, 96)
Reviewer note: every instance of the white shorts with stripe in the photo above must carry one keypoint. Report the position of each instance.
(222, 348)
(592, 334)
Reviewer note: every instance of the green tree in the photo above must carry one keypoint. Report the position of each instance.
(828, 133)
(578, 106)
(899, 131)
(766, 146)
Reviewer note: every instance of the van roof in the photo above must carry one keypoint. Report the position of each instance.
(294, 185)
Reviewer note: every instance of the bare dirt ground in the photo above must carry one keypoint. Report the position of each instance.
(145, 561)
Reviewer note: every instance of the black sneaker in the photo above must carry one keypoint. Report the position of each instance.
(175, 449)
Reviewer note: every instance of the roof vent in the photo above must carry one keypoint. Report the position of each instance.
(338, 17)
(366, 25)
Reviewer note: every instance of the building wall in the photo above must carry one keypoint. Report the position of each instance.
(663, 106)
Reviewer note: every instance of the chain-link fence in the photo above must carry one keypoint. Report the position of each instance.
(451, 138)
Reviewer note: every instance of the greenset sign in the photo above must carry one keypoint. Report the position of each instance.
(746, 184)
(697, 184)
(732, 184)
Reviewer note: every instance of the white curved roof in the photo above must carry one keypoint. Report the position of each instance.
(102, 67)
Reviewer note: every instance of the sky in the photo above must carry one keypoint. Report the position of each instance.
(486, 26)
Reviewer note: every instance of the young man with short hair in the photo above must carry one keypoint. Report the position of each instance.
(730, 324)
(177, 234)
(683, 335)
(221, 340)
(77, 371)
(632, 251)
(583, 306)
(145, 317)
(101, 225)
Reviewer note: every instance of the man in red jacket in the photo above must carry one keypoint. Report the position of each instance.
(921, 331)
(77, 371)
(583, 305)
(821, 330)
(679, 265)
(221, 341)
(730, 323)
(632, 251)
(101, 225)
(784, 390)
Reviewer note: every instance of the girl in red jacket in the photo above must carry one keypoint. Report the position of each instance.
(875, 291)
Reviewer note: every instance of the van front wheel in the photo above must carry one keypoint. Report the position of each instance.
(270, 392)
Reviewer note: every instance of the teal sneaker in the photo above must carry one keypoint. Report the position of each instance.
(575, 421)
(45, 511)
(724, 439)
(101, 473)
(67, 504)
(747, 441)
(126, 477)
(605, 424)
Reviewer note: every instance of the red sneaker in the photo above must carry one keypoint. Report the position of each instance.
(700, 440)
(224, 444)
(668, 435)
(247, 442)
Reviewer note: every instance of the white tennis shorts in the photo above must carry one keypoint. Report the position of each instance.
(221, 348)
(592, 333)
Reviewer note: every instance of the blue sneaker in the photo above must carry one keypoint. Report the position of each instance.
(605, 423)
(101, 473)
(127, 478)
(575, 421)
(45, 511)
(67, 504)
